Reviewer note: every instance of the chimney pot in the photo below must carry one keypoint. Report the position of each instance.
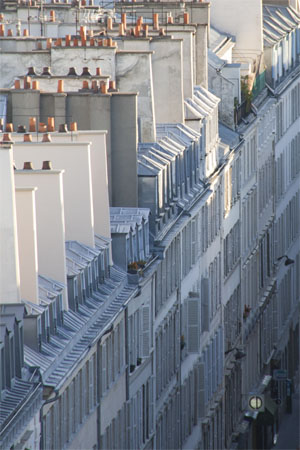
(75, 42)
(60, 86)
(49, 43)
(123, 20)
(73, 126)
(46, 137)
(32, 124)
(95, 85)
(98, 71)
(72, 72)
(68, 40)
(121, 29)
(47, 165)
(51, 124)
(85, 84)
(2, 29)
(170, 19)
(186, 18)
(46, 72)
(21, 129)
(35, 85)
(92, 42)
(42, 127)
(162, 32)
(17, 84)
(25, 32)
(28, 165)
(63, 128)
(9, 32)
(52, 15)
(85, 72)
(155, 21)
(6, 137)
(27, 82)
(109, 23)
(58, 42)
(103, 87)
(109, 42)
(27, 137)
(9, 128)
(112, 85)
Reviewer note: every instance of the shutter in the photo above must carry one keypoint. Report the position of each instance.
(91, 384)
(151, 403)
(201, 388)
(193, 324)
(145, 338)
(177, 338)
(103, 368)
(205, 304)
(128, 424)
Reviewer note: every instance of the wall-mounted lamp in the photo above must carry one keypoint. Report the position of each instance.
(288, 260)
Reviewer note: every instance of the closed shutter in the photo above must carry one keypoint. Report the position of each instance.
(205, 304)
(145, 338)
(103, 368)
(128, 424)
(201, 387)
(193, 324)
(91, 384)
(177, 339)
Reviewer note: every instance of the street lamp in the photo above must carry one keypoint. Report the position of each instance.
(288, 260)
(239, 353)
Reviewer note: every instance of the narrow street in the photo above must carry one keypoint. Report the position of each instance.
(289, 431)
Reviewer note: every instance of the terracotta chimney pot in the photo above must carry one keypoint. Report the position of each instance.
(9, 32)
(123, 20)
(25, 32)
(17, 84)
(52, 15)
(60, 86)
(35, 85)
(109, 23)
(68, 40)
(27, 82)
(170, 19)
(103, 87)
(21, 129)
(2, 29)
(155, 21)
(92, 42)
(46, 137)
(98, 71)
(121, 29)
(42, 127)
(32, 124)
(49, 43)
(85, 84)
(186, 18)
(51, 124)
(6, 137)
(73, 126)
(75, 42)
(9, 128)
(28, 165)
(63, 128)
(27, 137)
(47, 165)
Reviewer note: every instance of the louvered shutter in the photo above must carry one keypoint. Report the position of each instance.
(201, 387)
(205, 304)
(91, 384)
(193, 324)
(103, 368)
(145, 338)
(128, 424)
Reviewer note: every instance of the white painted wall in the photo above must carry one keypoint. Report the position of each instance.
(75, 159)
(27, 243)
(242, 19)
(50, 220)
(9, 260)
